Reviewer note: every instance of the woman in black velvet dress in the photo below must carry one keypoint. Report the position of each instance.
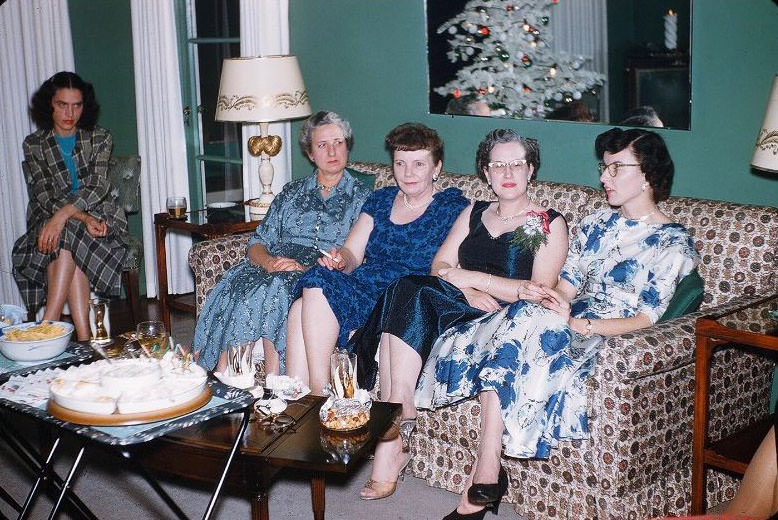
(480, 267)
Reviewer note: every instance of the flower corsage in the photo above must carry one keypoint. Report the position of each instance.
(533, 233)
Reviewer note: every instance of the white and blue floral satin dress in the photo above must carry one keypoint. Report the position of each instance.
(529, 355)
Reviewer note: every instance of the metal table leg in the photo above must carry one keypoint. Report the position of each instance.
(238, 438)
(42, 469)
(68, 480)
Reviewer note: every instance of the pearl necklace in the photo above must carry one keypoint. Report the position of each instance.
(508, 218)
(643, 218)
(417, 206)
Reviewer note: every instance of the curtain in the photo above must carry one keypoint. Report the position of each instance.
(581, 28)
(35, 42)
(264, 30)
(161, 138)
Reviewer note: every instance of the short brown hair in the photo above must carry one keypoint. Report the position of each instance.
(409, 137)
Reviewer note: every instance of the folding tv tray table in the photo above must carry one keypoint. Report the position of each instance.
(120, 439)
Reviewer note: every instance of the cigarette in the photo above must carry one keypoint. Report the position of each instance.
(325, 253)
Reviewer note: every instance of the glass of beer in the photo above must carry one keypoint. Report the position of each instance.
(152, 337)
(99, 321)
(343, 374)
(176, 207)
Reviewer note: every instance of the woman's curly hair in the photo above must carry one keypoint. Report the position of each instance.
(40, 105)
(500, 136)
(649, 149)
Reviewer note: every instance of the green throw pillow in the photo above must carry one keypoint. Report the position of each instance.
(687, 298)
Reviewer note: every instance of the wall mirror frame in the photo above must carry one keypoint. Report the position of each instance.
(596, 61)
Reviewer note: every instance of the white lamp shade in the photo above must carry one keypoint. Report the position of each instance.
(261, 89)
(766, 149)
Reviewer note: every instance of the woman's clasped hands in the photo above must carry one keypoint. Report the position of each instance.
(282, 263)
(468, 282)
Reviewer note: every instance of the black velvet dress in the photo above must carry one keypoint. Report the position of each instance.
(418, 309)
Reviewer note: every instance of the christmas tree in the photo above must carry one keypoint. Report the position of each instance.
(508, 62)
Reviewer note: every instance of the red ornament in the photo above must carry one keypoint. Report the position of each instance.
(457, 93)
(484, 31)
(509, 8)
(482, 91)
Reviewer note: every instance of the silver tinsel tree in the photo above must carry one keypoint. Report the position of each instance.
(507, 61)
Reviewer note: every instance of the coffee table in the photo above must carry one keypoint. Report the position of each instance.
(197, 452)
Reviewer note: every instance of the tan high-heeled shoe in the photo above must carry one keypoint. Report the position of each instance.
(378, 489)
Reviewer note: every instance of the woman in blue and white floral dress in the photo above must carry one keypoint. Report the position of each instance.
(528, 362)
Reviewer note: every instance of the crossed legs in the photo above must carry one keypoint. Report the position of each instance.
(312, 332)
(66, 282)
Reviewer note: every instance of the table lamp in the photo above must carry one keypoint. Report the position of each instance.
(766, 149)
(262, 89)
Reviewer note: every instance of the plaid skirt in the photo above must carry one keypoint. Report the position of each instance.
(99, 258)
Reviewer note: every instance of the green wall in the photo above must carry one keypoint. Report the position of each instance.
(366, 60)
(102, 46)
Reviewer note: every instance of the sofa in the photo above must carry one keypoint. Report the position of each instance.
(637, 461)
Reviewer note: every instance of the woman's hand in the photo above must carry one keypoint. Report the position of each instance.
(49, 235)
(531, 291)
(461, 278)
(282, 263)
(554, 300)
(95, 227)
(334, 261)
(580, 326)
(480, 300)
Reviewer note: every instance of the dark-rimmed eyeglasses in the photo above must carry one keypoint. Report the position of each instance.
(612, 168)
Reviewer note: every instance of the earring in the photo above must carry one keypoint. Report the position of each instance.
(434, 178)
(644, 186)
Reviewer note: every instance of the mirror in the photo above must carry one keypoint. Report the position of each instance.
(605, 61)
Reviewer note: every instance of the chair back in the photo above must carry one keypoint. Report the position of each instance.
(124, 175)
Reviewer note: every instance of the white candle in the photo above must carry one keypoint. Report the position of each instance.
(671, 30)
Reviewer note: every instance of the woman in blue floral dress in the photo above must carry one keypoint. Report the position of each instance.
(528, 362)
(397, 233)
(478, 269)
(252, 299)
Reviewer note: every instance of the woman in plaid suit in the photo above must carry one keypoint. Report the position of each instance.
(73, 227)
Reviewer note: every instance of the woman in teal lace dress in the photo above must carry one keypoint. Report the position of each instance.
(528, 363)
(252, 299)
(478, 269)
(400, 229)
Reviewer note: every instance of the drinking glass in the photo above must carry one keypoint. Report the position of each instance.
(152, 337)
(176, 207)
(99, 321)
(343, 373)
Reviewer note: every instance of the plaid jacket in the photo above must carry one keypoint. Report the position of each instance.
(48, 179)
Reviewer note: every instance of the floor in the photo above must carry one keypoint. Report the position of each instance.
(112, 492)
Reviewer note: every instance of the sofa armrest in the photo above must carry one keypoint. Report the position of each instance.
(661, 347)
(210, 259)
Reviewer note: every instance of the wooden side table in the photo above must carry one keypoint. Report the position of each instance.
(206, 223)
(751, 326)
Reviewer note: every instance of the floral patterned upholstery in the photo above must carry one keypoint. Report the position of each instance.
(637, 462)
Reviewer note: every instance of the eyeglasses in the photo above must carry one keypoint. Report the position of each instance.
(612, 168)
(502, 167)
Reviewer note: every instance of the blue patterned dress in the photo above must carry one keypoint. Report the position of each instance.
(529, 355)
(392, 251)
(249, 303)
(419, 308)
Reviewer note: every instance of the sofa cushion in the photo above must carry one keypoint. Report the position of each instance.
(687, 297)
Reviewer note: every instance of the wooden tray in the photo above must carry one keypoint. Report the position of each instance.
(128, 419)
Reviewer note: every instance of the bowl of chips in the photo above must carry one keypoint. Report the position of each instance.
(35, 341)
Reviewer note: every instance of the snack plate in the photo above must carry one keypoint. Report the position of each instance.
(129, 419)
(287, 388)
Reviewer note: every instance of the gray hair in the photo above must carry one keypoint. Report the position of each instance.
(505, 135)
(320, 119)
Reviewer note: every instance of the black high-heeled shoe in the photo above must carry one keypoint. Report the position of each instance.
(489, 495)
(456, 515)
